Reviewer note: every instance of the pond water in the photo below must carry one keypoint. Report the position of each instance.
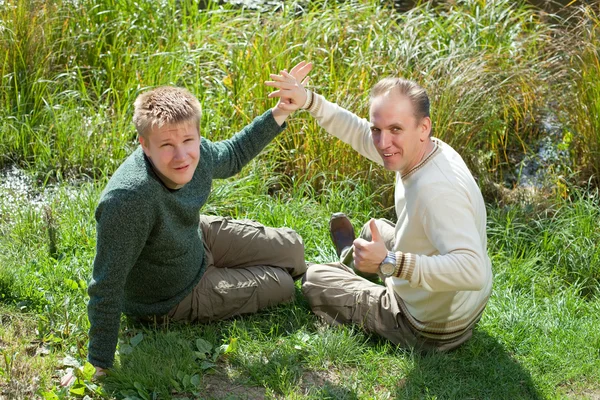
(19, 191)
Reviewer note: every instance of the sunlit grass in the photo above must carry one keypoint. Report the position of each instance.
(71, 70)
(538, 335)
(582, 95)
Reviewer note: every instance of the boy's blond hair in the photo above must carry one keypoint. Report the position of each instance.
(165, 105)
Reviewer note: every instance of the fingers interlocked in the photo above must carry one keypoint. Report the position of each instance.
(290, 85)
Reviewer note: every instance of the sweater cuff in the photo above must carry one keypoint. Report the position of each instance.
(405, 265)
(269, 115)
(316, 100)
(309, 100)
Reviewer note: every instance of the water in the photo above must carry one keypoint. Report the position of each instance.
(17, 188)
(540, 168)
(19, 193)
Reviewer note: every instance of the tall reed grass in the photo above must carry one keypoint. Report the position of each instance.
(581, 92)
(70, 71)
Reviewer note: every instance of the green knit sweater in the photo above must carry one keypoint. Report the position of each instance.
(149, 252)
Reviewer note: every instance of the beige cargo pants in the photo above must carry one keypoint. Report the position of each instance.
(338, 295)
(250, 267)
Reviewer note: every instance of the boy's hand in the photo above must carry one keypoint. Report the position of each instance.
(291, 93)
(70, 377)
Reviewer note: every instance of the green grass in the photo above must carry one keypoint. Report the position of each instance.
(583, 104)
(69, 72)
(537, 339)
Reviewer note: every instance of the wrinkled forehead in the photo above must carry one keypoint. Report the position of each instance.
(391, 107)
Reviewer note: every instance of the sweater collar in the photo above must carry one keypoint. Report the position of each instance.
(425, 160)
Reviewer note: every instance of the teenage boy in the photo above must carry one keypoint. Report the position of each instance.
(156, 256)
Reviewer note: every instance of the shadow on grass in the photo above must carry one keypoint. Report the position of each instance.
(480, 369)
(278, 348)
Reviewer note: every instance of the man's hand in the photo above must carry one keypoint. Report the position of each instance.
(369, 255)
(291, 93)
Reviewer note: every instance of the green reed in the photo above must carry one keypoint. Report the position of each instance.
(71, 70)
(581, 91)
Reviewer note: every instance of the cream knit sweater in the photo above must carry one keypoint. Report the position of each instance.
(444, 275)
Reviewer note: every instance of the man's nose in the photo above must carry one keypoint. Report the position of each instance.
(385, 140)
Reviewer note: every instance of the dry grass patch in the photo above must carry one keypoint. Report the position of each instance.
(225, 387)
(25, 362)
(318, 379)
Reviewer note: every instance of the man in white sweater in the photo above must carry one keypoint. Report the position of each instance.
(433, 261)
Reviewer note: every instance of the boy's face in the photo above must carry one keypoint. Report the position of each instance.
(399, 138)
(174, 150)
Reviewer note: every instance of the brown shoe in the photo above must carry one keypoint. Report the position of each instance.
(341, 231)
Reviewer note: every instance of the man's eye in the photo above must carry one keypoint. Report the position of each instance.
(375, 130)
(396, 129)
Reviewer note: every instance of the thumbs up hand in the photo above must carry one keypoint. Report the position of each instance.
(368, 255)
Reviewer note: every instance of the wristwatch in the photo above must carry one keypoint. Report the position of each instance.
(388, 265)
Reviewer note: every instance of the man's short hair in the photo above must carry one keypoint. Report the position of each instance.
(416, 94)
(165, 105)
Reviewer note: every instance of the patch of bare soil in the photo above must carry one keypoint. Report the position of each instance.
(217, 387)
(581, 390)
(585, 394)
(319, 379)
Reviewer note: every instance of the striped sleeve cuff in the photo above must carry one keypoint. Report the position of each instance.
(405, 265)
(309, 100)
(314, 105)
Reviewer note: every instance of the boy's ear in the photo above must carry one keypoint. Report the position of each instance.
(144, 143)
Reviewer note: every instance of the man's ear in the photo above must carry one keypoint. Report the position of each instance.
(425, 128)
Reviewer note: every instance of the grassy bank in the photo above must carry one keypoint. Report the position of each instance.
(495, 70)
(537, 339)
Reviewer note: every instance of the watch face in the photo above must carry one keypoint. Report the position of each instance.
(387, 269)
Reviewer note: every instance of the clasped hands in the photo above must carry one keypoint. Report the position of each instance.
(291, 91)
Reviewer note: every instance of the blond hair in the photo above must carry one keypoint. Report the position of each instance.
(165, 105)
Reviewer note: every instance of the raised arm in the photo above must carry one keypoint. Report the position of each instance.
(227, 157)
(337, 121)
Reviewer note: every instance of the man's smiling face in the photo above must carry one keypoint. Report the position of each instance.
(400, 138)
(174, 150)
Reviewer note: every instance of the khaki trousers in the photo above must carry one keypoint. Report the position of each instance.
(250, 267)
(338, 295)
